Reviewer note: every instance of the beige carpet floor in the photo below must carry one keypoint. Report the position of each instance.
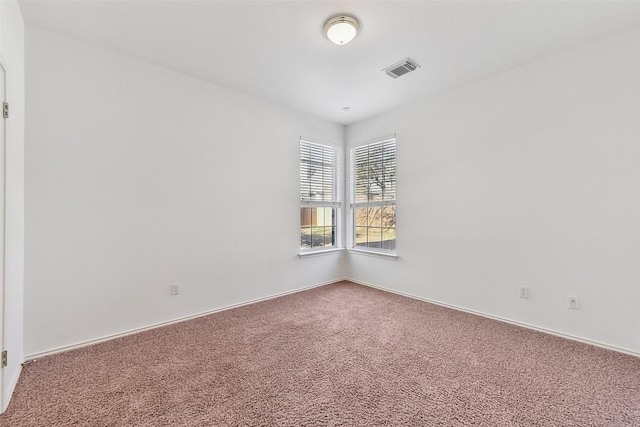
(339, 355)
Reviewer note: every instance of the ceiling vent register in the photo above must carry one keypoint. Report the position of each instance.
(401, 68)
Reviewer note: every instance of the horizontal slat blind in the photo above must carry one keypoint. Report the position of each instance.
(373, 173)
(319, 174)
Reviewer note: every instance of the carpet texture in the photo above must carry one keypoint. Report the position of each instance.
(339, 355)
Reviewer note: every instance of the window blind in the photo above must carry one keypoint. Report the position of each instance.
(373, 173)
(319, 174)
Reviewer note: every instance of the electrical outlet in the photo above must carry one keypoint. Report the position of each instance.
(175, 289)
(524, 292)
(573, 302)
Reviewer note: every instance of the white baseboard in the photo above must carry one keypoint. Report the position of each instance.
(81, 344)
(12, 387)
(505, 320)
(229, 307)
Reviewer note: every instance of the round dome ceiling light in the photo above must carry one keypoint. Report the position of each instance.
(341, 29)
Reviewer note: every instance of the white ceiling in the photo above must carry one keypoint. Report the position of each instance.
(276, 50)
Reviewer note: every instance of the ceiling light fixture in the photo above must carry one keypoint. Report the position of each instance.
(341, 29)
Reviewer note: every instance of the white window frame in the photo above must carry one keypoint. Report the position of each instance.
(386, 253)
(336, 199)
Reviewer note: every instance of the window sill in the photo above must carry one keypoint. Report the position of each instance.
(319, 252)
(386, 255)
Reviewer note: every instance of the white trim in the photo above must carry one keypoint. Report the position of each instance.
(32, 357)
(337, 196)
(354, 204)
(379, 254)
(383, 138)
(5, 395)
(372, 204)
(50, 352)
(319, 252)
(322, 142)
(505, 320)
(319, 204)
(12, 388)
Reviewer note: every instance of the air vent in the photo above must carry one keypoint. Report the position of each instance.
(401, 68)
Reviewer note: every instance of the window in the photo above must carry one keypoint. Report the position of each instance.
(373, 195)
(319, 195)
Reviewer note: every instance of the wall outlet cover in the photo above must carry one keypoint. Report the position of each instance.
(175, 289)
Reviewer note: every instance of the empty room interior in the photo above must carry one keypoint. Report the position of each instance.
(320, 213)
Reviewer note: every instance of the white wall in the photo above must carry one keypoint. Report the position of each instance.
(530, 178)
(12, 57)
(138, 177)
